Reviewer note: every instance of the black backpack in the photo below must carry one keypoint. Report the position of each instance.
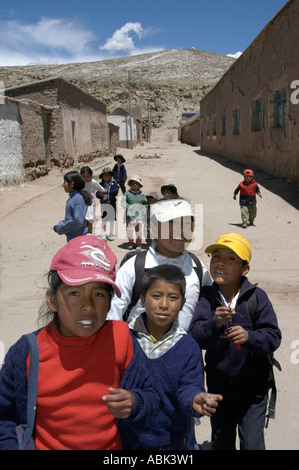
(139, 273)
(252, 304)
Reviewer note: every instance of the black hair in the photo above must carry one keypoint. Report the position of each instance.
(86, 169)
(79, 184)
(45, 315)
(164, 272)
(171, 188)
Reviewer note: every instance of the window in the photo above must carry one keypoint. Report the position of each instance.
(256, 115)
(280, 107)
(223, 124)
(236, 121)
(214, 126)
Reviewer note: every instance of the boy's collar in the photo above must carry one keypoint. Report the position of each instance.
(140, 325)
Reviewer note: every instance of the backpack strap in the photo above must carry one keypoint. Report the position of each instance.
(198, 268)
(139, 267)
(252, 305)
(32, 387)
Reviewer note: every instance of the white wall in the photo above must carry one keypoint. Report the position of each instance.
(124, 129)
(11, 156)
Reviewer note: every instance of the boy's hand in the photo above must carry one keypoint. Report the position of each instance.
(237, 335)
(206, 403)
(223, 315)
(120, 402)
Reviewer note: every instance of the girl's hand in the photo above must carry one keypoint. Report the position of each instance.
(223, 315)
(120, 402)
(237, 335)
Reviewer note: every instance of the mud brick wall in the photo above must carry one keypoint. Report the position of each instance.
(269, 64)
(78, 124)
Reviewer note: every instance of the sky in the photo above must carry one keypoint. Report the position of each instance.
(37, 32)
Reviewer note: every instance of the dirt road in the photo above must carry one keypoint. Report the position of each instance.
(28, 243)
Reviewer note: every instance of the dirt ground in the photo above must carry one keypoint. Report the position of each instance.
(28, 243)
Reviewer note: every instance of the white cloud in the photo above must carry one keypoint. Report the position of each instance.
(121, 39)
(44, 42)
(236, 55)
(60, 41)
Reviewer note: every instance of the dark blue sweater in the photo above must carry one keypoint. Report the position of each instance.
(178, 378)
(237, 375)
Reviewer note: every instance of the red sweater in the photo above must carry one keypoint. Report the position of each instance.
(249, 189)
(248, 192)
(70, 411)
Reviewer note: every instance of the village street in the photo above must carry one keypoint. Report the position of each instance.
(28, 243)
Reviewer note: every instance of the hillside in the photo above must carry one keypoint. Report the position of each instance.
(172, 80)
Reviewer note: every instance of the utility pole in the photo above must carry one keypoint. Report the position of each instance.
(130, 116)
(149, 113)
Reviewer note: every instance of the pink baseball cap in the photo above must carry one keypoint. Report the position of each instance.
(86, 259)
(248, 172)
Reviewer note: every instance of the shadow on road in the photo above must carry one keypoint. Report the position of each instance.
(288, 192)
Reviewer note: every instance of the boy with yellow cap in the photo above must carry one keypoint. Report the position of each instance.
(237, 344)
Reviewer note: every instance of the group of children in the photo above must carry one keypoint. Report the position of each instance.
(143, 379)
(80, 211)
(143, 382)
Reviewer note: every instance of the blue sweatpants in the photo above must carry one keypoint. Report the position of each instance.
(248, 418)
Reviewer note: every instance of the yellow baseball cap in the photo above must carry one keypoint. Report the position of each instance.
(235, 242)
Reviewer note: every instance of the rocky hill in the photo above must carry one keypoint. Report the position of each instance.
(172, 81)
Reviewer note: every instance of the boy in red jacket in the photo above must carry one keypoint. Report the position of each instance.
(248, 189)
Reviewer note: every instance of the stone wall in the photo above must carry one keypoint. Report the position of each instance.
(267, 66)
(11, 161)
(78, 127)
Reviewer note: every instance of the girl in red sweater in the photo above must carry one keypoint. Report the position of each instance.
(91, 371)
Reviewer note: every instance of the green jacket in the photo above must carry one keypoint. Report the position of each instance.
(135, 204)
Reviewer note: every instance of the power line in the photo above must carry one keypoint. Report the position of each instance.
(62, 16)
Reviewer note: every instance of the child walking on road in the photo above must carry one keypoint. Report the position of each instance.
(107, 197)
(74, 223)
(91, 371)
(120, 171)
(237, 343)
(91, 186)
(175, 361)
(248, 189)
(135, 203)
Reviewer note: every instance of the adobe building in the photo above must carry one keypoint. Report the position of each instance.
(21, 141)
(129, 135)
(72, 125)
(189, 131)
(252, 114)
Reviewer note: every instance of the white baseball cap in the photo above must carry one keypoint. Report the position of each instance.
(169, 209)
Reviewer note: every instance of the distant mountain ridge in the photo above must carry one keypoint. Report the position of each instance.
(172, 81)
